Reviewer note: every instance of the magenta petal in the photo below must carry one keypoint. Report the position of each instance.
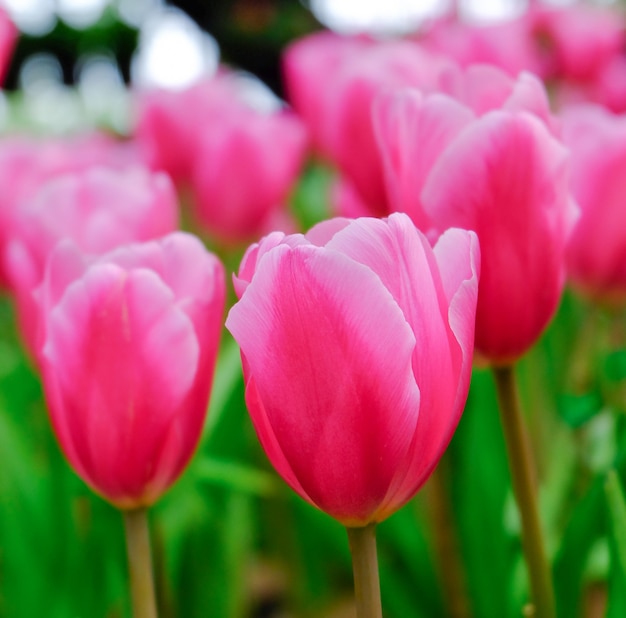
(458, 256)
(506, 178)
(409, 268)
(330, 354)
(412, 131)
(108, 355)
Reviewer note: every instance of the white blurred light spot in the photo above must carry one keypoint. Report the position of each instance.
(102, 91)
(40, 72)
(377, 16)
(34, 17)
(173, 52)
(80, 13)
(47, 104)
(489, 11)
(5, 113)
(135, 12)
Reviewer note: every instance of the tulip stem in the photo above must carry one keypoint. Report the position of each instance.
(140, 563)
(522, 478)
(365, 568)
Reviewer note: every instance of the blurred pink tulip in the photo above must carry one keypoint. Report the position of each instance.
(356, 344)
(413, 130)
(130, 345)
(246, 165)
(98, 209)
(507, 179)
(26, 163)
(168, 122)
(597, 248)
(8, 39)
(238, 162)
(502, 175)
(332, 82)
(508, 45)
(578, 40)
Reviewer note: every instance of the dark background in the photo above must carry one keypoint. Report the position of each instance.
(251, 35)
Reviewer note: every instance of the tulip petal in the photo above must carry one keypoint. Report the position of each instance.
(407, 266)
(412, 131)
(330, 354)
(506, 178)
(110, 341)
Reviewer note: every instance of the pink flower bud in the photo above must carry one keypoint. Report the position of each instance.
(129, 347)
(502, 174)
(356, 344)
(597, 249)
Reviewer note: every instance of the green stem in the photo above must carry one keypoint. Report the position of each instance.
(522, 477)
(365, 567)
(140, 563)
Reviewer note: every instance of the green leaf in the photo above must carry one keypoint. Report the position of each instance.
(237, 477)
(616, 606)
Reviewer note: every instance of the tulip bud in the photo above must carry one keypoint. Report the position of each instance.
(356, 344)
(129, 347)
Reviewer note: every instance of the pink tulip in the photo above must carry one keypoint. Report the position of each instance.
(246, 165)
(502, 175)
(332, 82)
(579, 40)
(507, 179)
(8, 39)
(310, 62)
(356, 344)
(597, 249)
(413, 130)
(238, 162)
(26, 163)
(98, 209)
(168, 122)
(508, 45)
(129, 350)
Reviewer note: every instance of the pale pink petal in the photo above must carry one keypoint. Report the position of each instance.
(330, 354)
(506, 178)
(109, 349)
(412, 131)
(407, 266)
(458, 259)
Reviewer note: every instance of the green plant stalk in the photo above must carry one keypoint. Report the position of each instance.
(522, 477)
(140, 563)
(365, 568)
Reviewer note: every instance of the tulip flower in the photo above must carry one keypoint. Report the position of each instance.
(445, 167)
(237, 159)
(578, 40)
(356, 344)
(98, 209)
(596, 252)
(245, 167)
(332, 82)
(508, 45)
(504, 175)
(167, 122)
(129, 347)
(26, 163)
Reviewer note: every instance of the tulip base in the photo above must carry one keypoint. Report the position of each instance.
(365, 568)
(522, 477)
(140, 563)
